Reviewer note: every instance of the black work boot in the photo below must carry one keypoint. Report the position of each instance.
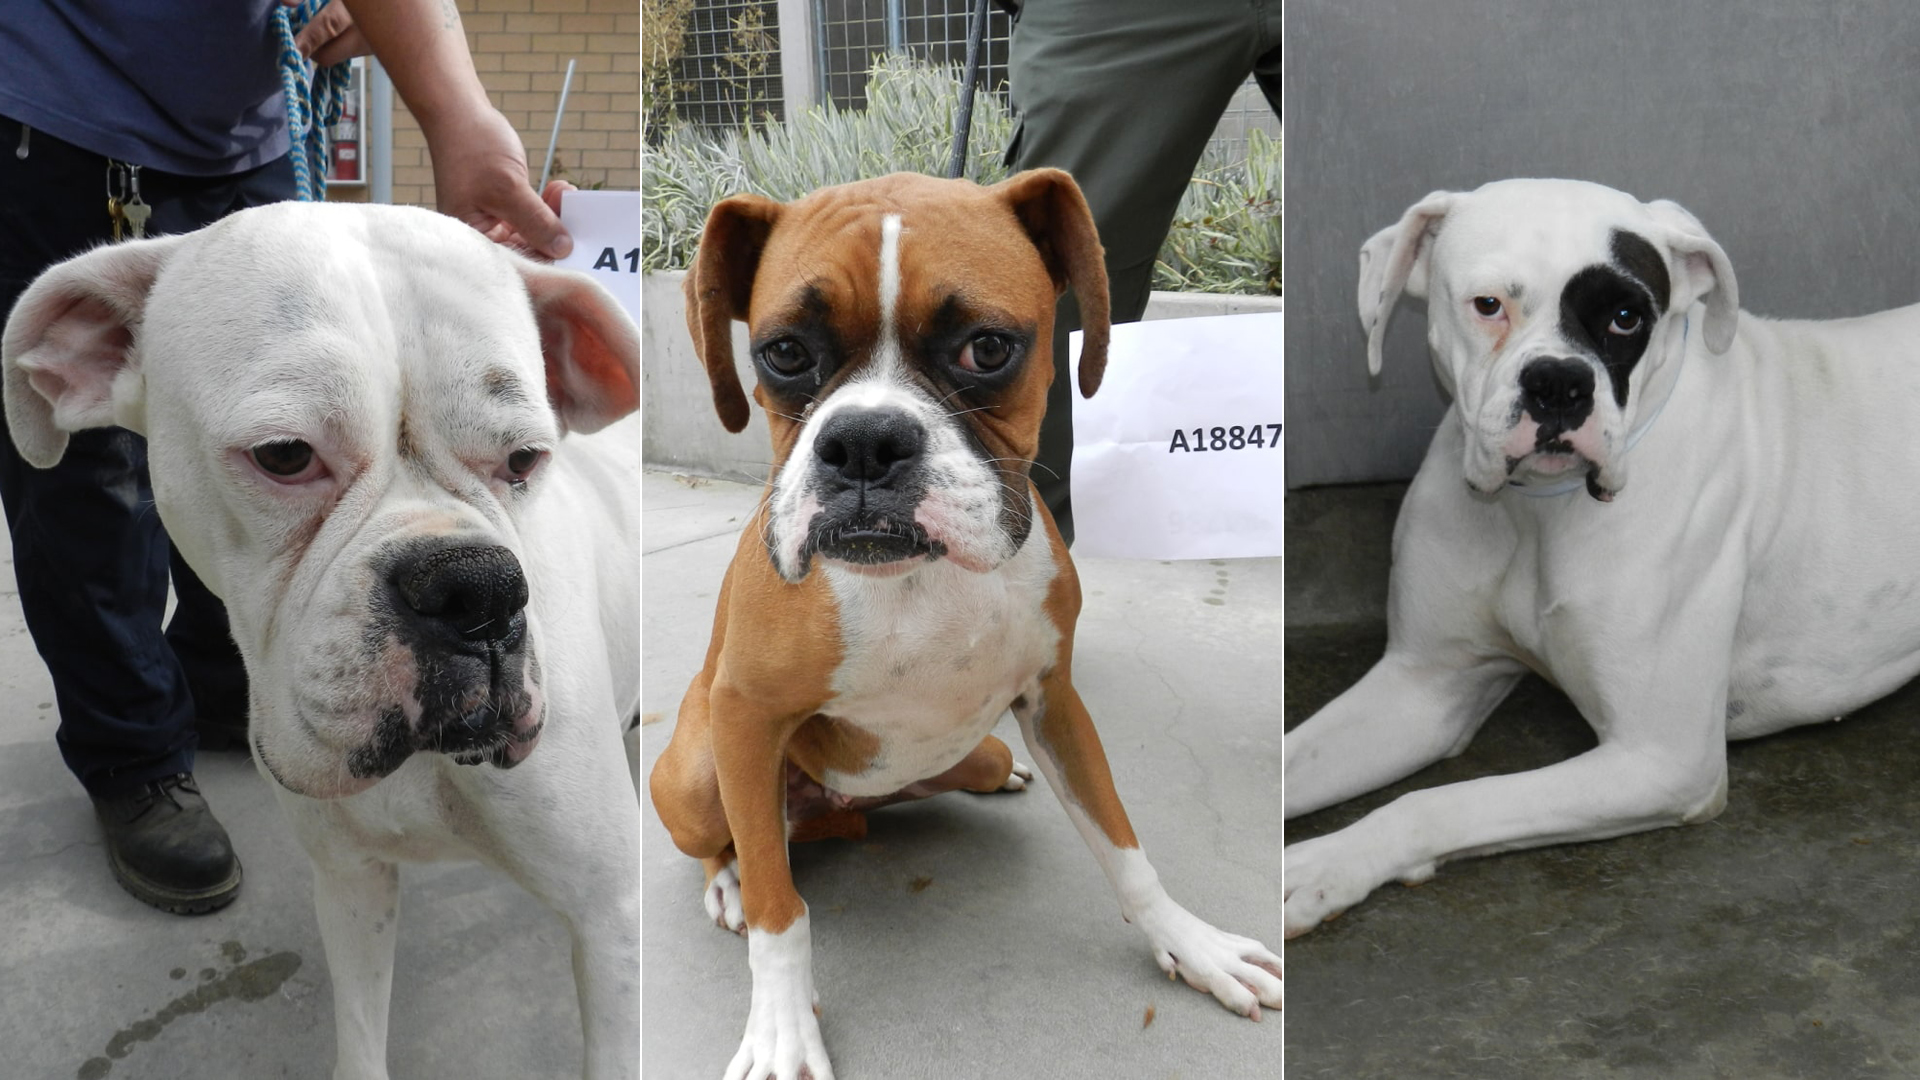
(167, 850)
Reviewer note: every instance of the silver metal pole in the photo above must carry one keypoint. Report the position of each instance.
(553, 140)
(379, 134)
(797, 56)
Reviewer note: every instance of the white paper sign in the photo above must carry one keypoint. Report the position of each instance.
(606, 241)
(1179, 454)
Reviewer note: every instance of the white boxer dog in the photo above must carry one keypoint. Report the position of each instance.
(367, 434)
(1752, 577)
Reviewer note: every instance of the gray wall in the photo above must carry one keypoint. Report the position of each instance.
(1791, 129)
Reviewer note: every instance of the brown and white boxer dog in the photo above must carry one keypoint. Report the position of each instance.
(901, 586)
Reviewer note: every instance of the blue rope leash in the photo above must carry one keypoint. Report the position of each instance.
(313, 102)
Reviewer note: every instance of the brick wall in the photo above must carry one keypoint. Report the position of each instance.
(521, 48)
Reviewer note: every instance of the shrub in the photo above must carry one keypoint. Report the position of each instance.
(1225, 236)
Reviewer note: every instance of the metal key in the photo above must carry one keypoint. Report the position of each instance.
(117, 214)
(136, 213)
(135, 208)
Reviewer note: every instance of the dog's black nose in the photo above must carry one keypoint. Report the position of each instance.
(1559, 392)
(871, 445)
(476, 591)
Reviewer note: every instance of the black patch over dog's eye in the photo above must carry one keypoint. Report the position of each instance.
(1625, 321)
(283, 458)
(786, 356)
(1487, 306)
(986, 352)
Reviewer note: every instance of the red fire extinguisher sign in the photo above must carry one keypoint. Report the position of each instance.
(346, 133)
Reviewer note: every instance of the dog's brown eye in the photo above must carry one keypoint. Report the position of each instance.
(1487, 306)
(520, 463)
(1625, 321)
(786, 356)
(283, 458)
(987, 352)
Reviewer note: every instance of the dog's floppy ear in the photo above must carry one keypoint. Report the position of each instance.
(719, 285)
(1055, 215)
(590, 346)
(1395, 261)
(70, 344)
(1705, 273)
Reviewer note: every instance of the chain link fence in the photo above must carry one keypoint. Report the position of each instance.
(717, 63)
(729, 67)
(850, 33)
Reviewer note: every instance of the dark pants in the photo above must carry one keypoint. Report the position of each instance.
(89, 554)
(1125, 94)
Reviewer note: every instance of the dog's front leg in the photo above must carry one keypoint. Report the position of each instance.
(1447, 662)
(357, 902)
(573, 840)
(1415, 706)
(1242, 973)
(1612, 790)
(1651, 679)
(782, 1040)
(606, 952)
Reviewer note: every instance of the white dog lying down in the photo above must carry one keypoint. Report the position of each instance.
(1751, 578)
(367, 431)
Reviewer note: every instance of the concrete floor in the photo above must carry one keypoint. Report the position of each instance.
(1782, 940)
(974, 936)
(95, 984)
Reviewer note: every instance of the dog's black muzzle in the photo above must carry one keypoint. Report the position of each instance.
(460, 608)
(869, 477)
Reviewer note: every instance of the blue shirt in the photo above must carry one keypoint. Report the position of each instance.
(184, 86)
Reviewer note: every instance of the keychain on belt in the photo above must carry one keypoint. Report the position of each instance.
(125, 207)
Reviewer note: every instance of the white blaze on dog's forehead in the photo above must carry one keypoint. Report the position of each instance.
(886, 351)
(889, 270)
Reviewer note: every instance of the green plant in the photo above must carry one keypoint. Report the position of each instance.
(906, 126)
(663, 38)
(754, 50)
(1226, 235)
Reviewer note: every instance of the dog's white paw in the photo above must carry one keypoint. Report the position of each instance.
(1019, 778)
(722, 900)
(1323, 878)
(782, 1041)
(1242, 973)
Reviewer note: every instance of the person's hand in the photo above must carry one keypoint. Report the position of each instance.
(555, 189)
(480, 177)
(331, 37)
(502, 234)
(479, 166)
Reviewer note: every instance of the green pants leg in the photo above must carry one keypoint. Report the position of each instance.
(1125, 94)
